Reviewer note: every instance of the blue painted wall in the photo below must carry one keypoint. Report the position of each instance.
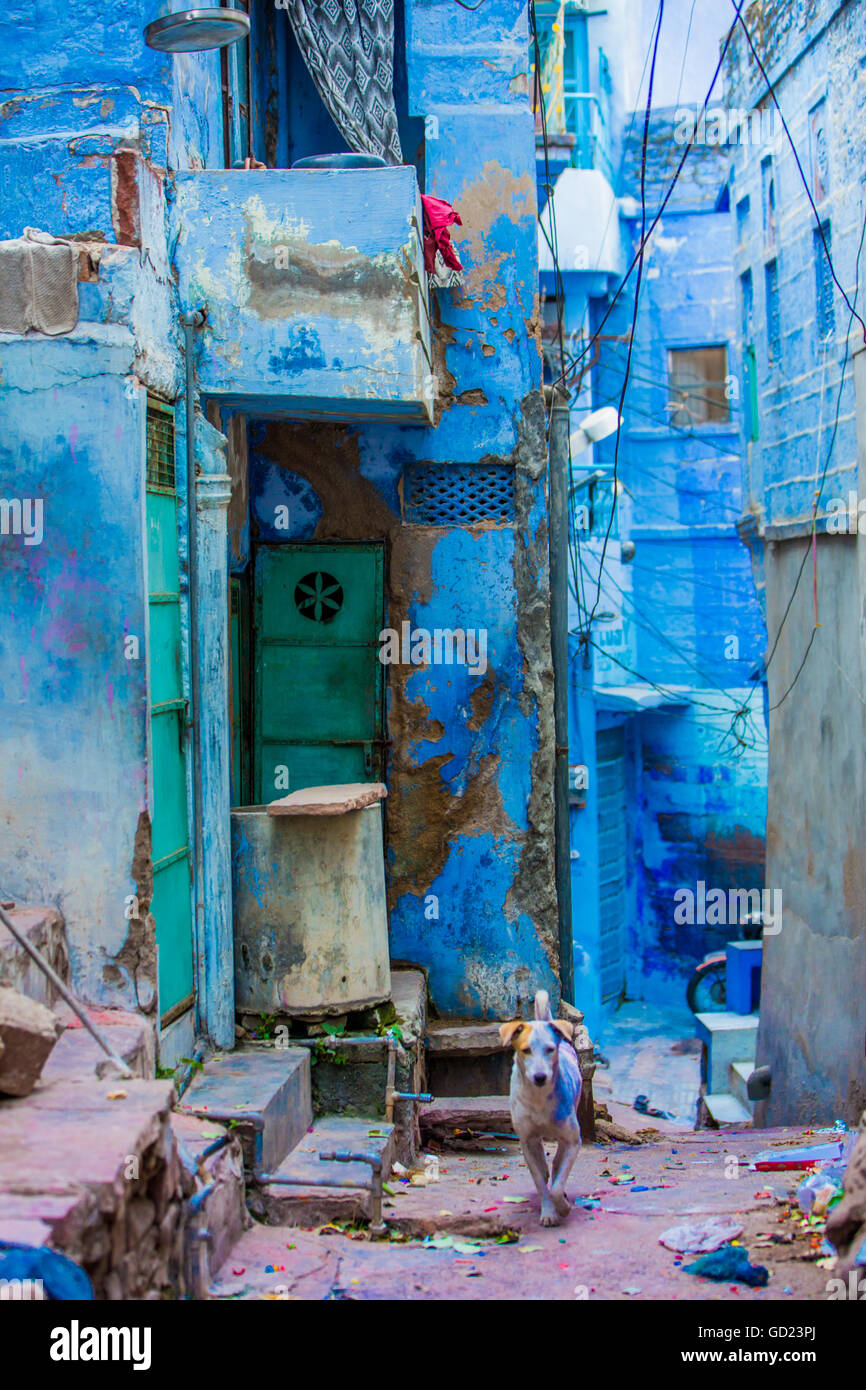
(96, 126)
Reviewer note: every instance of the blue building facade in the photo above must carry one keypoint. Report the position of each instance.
(669, 780)
(269, 333)
(798, 268)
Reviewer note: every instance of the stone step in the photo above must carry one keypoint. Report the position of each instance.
(467, 1059)
(273, 1085)
(221, 1181)
(91, 1168)
(309, 1205)
(43, 926)
(77, 1055)
(738, 1083)
(725, 1109)
(447, 1114)
(349, 1073)
(729, 1038)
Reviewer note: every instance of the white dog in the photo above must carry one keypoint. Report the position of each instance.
(545, 1092)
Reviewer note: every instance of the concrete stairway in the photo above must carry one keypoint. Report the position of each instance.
(730, 1040)
(305, 1202)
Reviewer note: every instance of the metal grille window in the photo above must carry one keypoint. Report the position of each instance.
(454, 494)
(160, 447)
(825, 313)
(774, 320)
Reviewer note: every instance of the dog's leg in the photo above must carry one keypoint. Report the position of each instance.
(536, 1162)
(562, 1165)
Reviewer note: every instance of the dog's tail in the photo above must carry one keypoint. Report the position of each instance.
(542, 1006)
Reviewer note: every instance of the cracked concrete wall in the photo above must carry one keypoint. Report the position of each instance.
(469, 814)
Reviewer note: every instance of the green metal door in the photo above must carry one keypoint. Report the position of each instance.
(171, 904)
(317, 674)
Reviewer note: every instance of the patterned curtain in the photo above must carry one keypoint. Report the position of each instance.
(348, 46)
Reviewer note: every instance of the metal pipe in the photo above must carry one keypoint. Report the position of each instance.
(190, 321)
(188, 1070)
(65, 994)
(559, 559)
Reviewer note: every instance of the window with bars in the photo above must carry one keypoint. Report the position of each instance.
(774, 318)
(825, 312)
(160, 447)
(453, 494)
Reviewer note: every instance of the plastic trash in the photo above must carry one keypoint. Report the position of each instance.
(821, 1189)
(781, 1159)
(701, 1237)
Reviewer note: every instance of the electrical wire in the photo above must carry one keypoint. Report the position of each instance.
(649, 102)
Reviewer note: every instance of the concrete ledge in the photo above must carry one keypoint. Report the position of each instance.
(463, 1039)
(274, 1084)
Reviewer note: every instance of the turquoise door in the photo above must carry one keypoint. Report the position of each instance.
(317, 681)
(171, 904)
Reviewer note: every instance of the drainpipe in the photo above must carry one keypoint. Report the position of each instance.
(559, 504)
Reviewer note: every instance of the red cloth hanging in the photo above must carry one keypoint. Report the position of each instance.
(438, 217)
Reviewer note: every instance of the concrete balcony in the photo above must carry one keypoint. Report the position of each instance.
(315, 290)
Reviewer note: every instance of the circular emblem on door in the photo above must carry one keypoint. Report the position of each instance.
(319, 596)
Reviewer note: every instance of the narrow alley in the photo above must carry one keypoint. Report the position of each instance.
(432, 672)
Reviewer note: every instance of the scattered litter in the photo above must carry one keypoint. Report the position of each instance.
(730, 1262)
(515, 1199)
(240, 1271)
(763, 1193)
(631, 1288)
(529, 1249)
(642, 1106)
(399, 1169)
(587, 1202)
(460, 1247)
(446, 1212)
(781, 1159)
(487, 1209)
(701, 1237)
(275, 1269)
(822, 1190)
(116, 1095)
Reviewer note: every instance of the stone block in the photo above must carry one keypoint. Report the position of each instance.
(28, 1032)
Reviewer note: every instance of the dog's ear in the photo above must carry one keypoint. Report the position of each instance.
(508, 1032)
(564, 1027)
